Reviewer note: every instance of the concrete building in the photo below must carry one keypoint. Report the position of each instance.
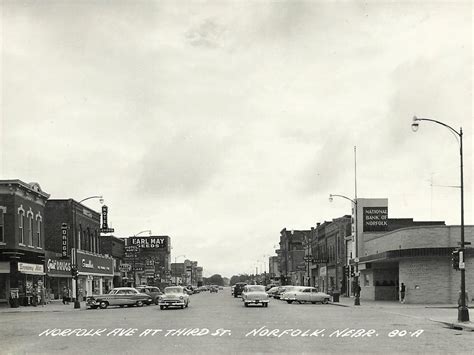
(115, 248)
(22, 240)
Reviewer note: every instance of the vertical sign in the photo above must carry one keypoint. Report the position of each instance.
(104, 217)
(64, 244)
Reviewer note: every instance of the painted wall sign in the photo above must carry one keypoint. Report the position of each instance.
(375, 219)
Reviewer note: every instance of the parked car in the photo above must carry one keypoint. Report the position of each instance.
(188, 291)
(239, 286)
(271, 292)
(153, 291)
(288, 295)
(120, 296)
(255, 294)
(306, 294)
(268, 287)
(174, 296)
(214, 289)
(281, 290)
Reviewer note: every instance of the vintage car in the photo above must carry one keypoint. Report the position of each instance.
(255, 294)
(153, 291)
(174, 296)
(305, 294)
(281, 290)
(120, 296)
(239, 286)
(271, 292)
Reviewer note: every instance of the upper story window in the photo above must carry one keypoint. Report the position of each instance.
(39, 221)
(30, 230)
(21, 224)
(3, 210)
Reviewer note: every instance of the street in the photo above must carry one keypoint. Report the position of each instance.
(218, 323)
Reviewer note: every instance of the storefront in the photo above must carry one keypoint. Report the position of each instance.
(58, 275)
(96, 273)
(4, 281)
(29, 276)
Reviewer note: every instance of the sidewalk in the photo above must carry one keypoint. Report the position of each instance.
(53, 306)
(440, 313)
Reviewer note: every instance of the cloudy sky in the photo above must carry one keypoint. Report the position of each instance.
(219, 123)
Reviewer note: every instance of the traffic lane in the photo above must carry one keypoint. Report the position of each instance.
(221, 311)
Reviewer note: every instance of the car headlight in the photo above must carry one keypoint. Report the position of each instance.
(181, 297)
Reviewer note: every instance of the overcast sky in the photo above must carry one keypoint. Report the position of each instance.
(219, 123)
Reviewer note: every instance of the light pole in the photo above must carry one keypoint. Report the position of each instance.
(175, 267)
(356, 241)
(463, 311)
(135, 256)
(77, 303)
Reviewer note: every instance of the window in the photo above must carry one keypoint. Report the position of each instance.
(3, 210)
(38, 231)
(21, 224)
(30, 230)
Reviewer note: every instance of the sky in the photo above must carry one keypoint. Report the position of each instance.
(219, 123)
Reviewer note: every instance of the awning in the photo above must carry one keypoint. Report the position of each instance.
(59, 275)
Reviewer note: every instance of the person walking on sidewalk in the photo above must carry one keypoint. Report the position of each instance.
(34, 299)
(65, 295)
(402, 293)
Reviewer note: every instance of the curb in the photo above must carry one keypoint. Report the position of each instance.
(468, 326)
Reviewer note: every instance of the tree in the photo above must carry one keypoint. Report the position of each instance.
(215, 279)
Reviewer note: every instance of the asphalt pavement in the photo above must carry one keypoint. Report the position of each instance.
(219, 323)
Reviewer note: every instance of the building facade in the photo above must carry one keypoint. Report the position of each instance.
(73, 230)
(292, 265)
(115, 247)
(22, 240)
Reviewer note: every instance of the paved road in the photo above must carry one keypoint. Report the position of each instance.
(218, 323)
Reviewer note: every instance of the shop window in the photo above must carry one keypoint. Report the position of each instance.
(366, 280)
(2, 224)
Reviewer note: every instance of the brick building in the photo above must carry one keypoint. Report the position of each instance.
(292, 265)
(22, 239)
(82, 225)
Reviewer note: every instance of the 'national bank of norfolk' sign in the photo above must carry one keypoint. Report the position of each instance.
(375, 219)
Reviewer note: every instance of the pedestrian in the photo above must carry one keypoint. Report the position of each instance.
(357, 290)
(65, 295)
(34, 299)
(402, 293)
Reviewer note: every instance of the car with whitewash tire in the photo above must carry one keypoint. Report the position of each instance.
(305, 295)
(255, 294)
(119, 296)
(174, 296)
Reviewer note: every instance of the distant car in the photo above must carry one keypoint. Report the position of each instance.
(268, 287)
(120, 296)
(153, 291)
(174, 296)
(306, 294)
(271, 292)
(232, 290)
(213, 289)
(255, 294)
(239, 286)
(188, 291)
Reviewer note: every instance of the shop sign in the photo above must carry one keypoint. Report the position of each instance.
(152, 242)
(125, 267)
(58, 266)
(375, 219)
(92, 263)
(64, 246)
(31, 268)
(322, 271)
(104, 217)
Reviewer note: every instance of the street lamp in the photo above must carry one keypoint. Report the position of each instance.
(135, 257)
(175, 267)
(463, 311)
(356, 240)
(77, 303)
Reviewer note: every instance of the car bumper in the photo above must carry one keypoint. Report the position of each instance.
(171, 303)
(255, 301)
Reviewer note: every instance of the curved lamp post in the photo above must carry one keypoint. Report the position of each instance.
(356, 240)
(77, 303)
(175, 268)
(463, 311)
